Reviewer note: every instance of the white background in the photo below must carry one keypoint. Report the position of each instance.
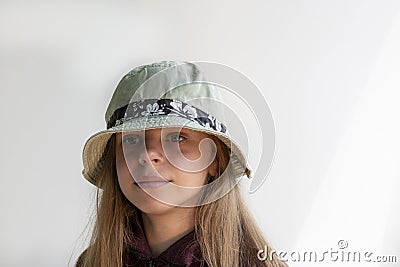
(330, 71)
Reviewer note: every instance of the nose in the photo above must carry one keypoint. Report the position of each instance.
(152, 154)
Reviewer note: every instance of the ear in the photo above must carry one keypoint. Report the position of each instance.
(212, 170)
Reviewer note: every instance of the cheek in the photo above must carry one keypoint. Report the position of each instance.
(192, 179)
(120, 164)
(123, 170)
(190, 152)
(190, 159)
(126, 183)
(124, 177)
(123, 180)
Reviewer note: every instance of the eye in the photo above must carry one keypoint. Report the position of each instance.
(176, 137)
(132, 139)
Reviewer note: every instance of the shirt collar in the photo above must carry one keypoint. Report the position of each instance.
(184, 251)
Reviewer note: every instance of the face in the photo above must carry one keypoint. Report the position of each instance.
(162, 168)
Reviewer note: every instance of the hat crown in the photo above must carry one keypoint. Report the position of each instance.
(182, 81)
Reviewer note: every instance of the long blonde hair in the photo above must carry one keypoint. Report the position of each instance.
(236, 246)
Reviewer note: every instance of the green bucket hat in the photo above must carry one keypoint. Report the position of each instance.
(159, 95)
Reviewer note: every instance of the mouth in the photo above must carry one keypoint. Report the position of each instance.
(151, 182)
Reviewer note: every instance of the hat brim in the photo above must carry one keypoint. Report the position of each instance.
(95, 153)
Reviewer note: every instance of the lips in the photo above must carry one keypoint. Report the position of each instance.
(151, 182)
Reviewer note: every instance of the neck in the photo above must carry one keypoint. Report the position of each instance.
(163, 230)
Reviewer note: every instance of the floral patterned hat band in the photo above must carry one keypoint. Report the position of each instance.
(170, 107)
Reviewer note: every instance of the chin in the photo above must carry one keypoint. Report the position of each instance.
(149, 205)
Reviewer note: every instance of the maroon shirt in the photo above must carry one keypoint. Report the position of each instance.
(184, 252)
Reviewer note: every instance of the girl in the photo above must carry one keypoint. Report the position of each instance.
(166, 172)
